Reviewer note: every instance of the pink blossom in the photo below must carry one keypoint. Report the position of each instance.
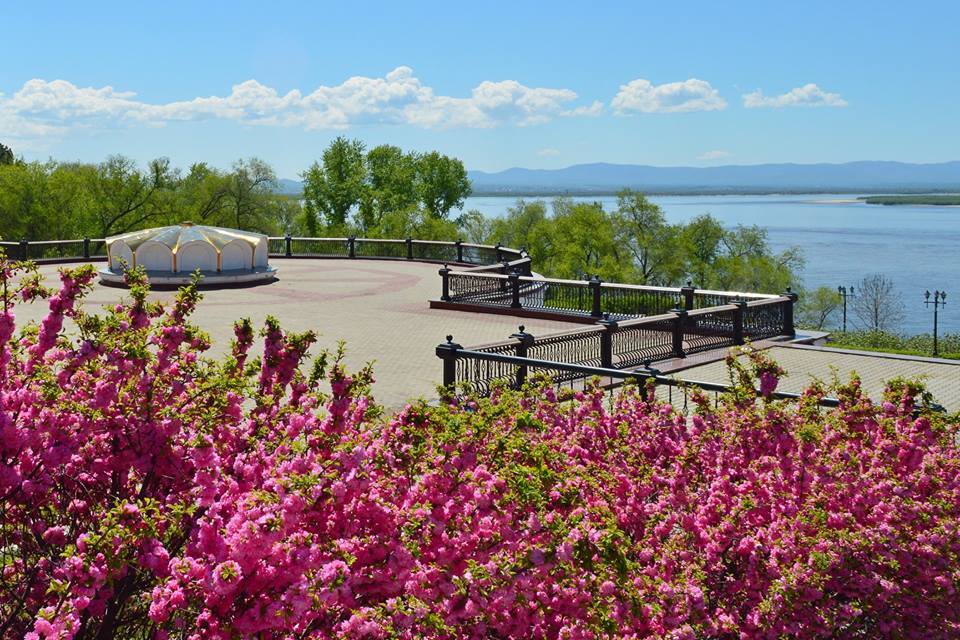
(219, 501)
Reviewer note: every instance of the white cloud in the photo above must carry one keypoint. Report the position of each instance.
(43, 108)
(549, 151)
(594, 109)
(673, 97)
(809, 95)
(716, 154)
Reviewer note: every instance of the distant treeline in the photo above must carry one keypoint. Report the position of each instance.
(385, 191)
(392, 193)
(932, 199)
(61, 200)
(579, 192)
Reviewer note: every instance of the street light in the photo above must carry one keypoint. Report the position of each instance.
(939, 300)
(845, 293)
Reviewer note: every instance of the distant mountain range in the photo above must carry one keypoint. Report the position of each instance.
(852, 177)
(289, 187)
(765, 178)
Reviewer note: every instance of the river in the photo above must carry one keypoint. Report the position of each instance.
(917, 247)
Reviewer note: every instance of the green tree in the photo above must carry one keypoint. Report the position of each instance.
(6, 154)
(442, 183)
(124, 197)
(43, 201)
(878, 305)
(203, 195)
(817, 307)
(701, 245)
(584, 241)
(526, 225)
(332, 188)
(251, 195)
(746, 262)
(287, 215)
(414, 222)
(392, 181)
(474, 227)
(653, 244)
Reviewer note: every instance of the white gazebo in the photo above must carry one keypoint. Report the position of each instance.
(171, 255)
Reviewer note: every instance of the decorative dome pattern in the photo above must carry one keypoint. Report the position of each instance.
(172, 254)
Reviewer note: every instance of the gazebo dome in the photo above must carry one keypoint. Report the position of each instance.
(172, 254)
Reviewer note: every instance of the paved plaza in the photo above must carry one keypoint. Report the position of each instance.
(804, 364)
(380, 309)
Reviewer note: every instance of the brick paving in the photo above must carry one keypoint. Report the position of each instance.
(378, 307)
(803, 365)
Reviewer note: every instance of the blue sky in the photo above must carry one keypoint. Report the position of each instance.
(497, 84)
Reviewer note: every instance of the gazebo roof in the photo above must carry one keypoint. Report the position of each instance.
(180, 234)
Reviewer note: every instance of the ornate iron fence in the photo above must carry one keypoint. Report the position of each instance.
(634, 300)
(458, 252)
(615, 344)
(480, 369)
(712, 328)
(638, 342)
(592, 298)
(494, 257)
(56, 250)
(318, 247)
(765, 318)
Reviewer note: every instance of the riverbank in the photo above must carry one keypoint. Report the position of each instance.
(937, 200)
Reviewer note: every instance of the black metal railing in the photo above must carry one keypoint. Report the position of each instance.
(313, 247)
(614, 343)
(478, 370)
(447, 252)
(765, 318)
(712, 328)
(496, 258)
(55, 250)
(587, 298)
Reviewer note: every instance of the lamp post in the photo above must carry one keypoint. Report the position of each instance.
(939, 300)
(845, 293)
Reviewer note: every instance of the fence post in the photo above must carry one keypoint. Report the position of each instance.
(741, 307)
(524, 341)
(445, 278)
(288, 245)
(514, 278)
(606, 341)
(24, 249)
(527, 271)
(595, 282)
(447, 351)
(499, 253)
(459, 244)
(352, 247)
(409, 248)
(788, 328)
(86, 248)
(687, 293)
(679, 322)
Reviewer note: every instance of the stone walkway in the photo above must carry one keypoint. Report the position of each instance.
(803, 364)
(379, 307)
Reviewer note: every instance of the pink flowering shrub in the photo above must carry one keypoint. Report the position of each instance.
(150, 492)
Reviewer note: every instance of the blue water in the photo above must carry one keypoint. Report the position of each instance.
(918, 247)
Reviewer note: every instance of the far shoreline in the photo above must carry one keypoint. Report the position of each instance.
(848, 196)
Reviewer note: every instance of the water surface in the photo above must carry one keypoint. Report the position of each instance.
(918, 247)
